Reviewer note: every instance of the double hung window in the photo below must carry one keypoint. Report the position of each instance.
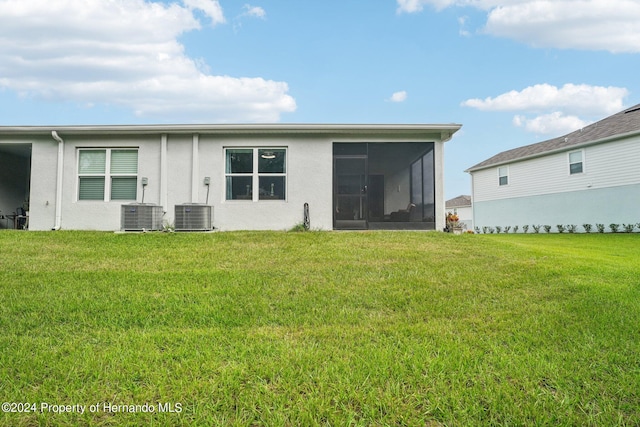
(575, 163)
(107, 174)
(255, 173)
(503, 175)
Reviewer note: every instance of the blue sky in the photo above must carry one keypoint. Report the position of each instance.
(512, 72)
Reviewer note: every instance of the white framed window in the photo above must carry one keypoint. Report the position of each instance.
(576, 162)
(503, 175)
(255, 174)
(107, 174)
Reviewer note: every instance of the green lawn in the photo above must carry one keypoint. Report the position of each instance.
(320, 328)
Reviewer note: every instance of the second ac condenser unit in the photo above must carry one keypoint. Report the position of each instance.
(193, 217)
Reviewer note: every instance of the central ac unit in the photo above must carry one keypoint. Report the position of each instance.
(193, 217)
(141, 217)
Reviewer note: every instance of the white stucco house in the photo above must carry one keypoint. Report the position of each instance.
(462, 207)
(227, 177)
(589, 176)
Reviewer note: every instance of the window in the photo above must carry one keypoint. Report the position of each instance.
(107, 174)
(575, 162)
(503, 175)
(249, 168)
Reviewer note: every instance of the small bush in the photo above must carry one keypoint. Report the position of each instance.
(498, 229)
(300, 227)
(560, 228)
(628, 228)
(477, 229)
(515, 228)
(571, 228)
(587, 227)
(506, 229)
(525, 228)
(600, 228)
(547, 228)
(614, 227)
(536, 228)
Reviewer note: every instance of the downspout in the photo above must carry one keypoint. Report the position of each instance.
(195, 168)
(58, 220)
(164, 180)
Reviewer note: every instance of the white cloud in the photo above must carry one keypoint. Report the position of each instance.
(555, 123)
(611, 25)
(126, 53)
(581, 98)
(255, 11)
(413, 6)
(211, 8)
(557, 109)
(462, 22)
(400, 96)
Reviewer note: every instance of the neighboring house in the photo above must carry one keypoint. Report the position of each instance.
(589, 176)
(461, 206)
(253, 176)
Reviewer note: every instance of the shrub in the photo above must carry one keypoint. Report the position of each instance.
(628, 228)
(547, 228)
(571, 228)
(614, 227)
(477, 229)
(491, 230)
(485, 229)
(536, 228)
(515, 228)
(600, 228)
(525, 228)
(300, 227)
(498, 229)
(506, 229)
(587, 227)
(560, 228)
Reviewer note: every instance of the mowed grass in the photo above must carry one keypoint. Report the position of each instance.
(321, 328)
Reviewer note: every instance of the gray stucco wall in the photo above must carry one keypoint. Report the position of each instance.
(176, 165)
(309, 180)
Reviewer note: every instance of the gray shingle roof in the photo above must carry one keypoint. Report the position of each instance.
(458, 202)
(624, 122)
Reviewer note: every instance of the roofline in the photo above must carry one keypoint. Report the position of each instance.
(555, 151)
(445, 130)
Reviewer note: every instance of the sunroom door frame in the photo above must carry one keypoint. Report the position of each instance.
(350, 185)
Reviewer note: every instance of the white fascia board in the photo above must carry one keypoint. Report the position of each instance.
(444, 130)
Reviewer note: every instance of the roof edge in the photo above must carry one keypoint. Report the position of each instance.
(446, 130)
(557, 150)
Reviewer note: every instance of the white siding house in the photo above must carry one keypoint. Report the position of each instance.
(252, 176)
(590, 176)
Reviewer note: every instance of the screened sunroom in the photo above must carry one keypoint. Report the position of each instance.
(384, 186)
